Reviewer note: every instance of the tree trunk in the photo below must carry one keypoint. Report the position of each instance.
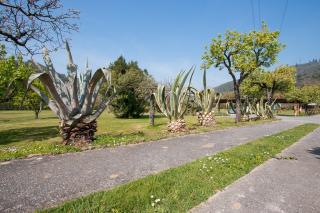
(36, 114)
(80, 134)
(270, 96)
(238, 103)
(37, 110)
(151, 112)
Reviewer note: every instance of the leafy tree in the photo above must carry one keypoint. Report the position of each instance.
(134, 86)
(264, 83)
(305, 95)
(29, 99)
(241, 54)
(14, 73)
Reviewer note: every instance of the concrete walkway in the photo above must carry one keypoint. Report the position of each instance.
(279, 185)
(38, 182)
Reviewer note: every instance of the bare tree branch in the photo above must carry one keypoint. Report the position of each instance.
(29, 25)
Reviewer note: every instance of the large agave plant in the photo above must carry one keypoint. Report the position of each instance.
(207, 100)
(174, 103)
(72, 97)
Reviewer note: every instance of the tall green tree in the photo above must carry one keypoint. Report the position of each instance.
(133, 85)
(14, 73)
(265, 83)
(28, 99)
(241, 54)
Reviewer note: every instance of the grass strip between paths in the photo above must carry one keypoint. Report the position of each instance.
(180, 189)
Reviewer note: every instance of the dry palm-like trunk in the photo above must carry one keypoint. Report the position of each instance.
(73, 98)
(206, 119)
(178, 126)
(79, 134)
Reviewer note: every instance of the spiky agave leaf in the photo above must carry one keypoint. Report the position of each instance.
(160, 98)
(173, 104)
(73, 96)
(63, 111)
(207, 99)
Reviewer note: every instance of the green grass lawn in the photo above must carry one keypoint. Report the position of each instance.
(182, 188)
(287, 112)
(21, 135)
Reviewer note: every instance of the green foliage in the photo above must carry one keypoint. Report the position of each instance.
(306, 94)
(14, 73)
(243, 54)
(182, 188)
(264, 83)
(174, 103)
(207, 99)
(133, 86)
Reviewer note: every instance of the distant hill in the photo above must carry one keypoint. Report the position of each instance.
(307, 74)
(226, 87)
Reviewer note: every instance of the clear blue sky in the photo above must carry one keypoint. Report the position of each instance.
(169, 35)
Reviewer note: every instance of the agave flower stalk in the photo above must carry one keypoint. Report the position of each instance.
(174, 103)
(208, 100)
(73, 97)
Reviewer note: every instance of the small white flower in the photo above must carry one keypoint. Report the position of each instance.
(151, 196)
(157, 200)
(152, 204)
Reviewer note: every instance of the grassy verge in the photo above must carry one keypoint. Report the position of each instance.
(287, 112)
(21, 135)
(179, 189)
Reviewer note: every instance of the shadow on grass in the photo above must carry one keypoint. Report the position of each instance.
(28, 133)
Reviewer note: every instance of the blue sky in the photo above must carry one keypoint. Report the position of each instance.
(170, 35)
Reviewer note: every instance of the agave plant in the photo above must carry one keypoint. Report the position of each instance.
(253, 106)
(174, 103)
(72, 97)
(207, 100)
(247, 108)
(264, 110)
